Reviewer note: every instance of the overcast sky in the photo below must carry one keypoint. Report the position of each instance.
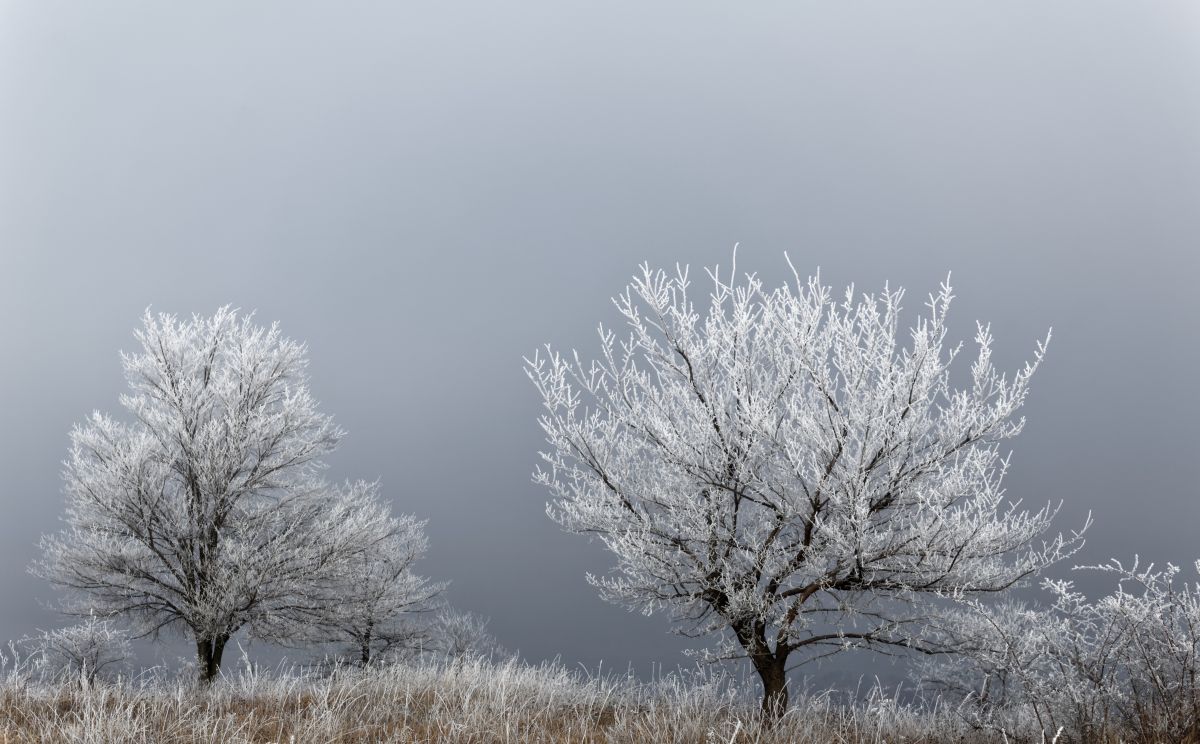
(426, 191)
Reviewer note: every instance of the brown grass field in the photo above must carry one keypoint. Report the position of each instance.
(472, 702)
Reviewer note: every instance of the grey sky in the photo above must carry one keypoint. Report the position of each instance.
(425, 191)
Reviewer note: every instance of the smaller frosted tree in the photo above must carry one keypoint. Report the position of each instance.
(83, 652)
(788, 471)
(383, 605)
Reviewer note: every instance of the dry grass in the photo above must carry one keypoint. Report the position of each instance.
(473, 702)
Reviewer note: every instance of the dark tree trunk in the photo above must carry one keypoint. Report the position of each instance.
(365, 643)
(770, 665)
(208, 657)
(772, 671)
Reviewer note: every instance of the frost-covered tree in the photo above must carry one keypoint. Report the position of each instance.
(81, 653)
(787, 470)
(384, 605)
(204, 510)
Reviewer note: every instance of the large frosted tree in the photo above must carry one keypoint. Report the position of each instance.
(203, 510)
(786, 471)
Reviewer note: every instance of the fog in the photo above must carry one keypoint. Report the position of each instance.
(425, 192)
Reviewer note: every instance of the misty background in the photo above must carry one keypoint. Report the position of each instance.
(427, 191)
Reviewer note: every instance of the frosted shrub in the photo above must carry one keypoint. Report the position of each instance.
(457, 635)
(81, 653)
(1123, 665)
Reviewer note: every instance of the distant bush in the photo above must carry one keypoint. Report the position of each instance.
(1122, 667)
(79, 654)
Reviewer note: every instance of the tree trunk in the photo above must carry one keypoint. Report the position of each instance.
(770, 665)
(772, 671)
(208, 657)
